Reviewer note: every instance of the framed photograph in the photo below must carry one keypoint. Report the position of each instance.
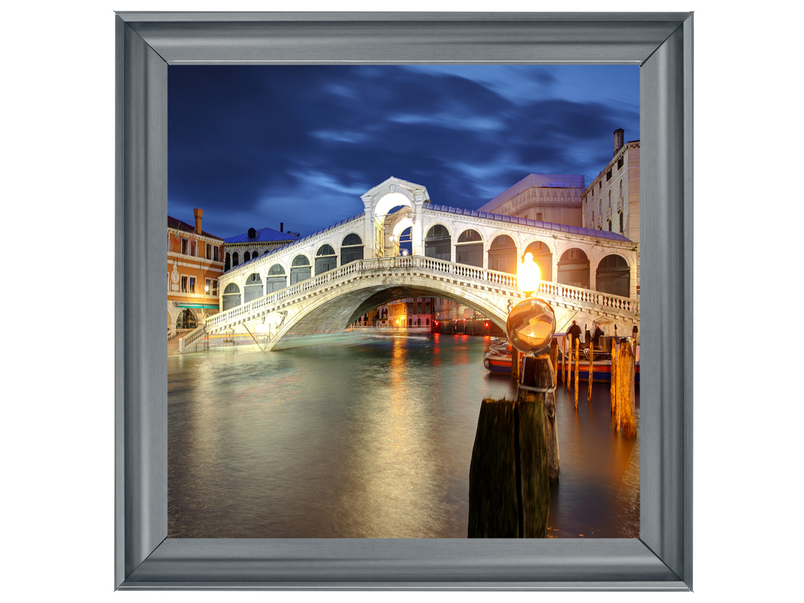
(154, 550)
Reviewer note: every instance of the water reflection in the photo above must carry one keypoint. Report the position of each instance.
(371, 440)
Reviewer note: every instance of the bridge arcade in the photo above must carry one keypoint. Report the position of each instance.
(590, 259)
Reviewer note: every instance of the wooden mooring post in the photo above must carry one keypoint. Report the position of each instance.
(577, 367)
(613, 376)
(591, 370)
(626, 415)
(554, 360)
(514, 455)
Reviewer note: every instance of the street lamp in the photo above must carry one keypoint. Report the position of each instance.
(531, 323)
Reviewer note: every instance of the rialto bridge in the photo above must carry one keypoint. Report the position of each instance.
(325, 281)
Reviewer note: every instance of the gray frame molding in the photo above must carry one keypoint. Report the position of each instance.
(146, 43)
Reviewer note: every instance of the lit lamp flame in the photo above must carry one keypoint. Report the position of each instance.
(528, 275)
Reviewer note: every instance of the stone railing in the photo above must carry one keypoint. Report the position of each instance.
(587, 296)
(469, 274)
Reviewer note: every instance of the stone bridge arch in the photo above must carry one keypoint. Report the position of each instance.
(334, 310)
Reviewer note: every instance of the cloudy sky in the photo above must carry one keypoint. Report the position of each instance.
(254, 146)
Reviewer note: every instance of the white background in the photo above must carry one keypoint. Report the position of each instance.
(57, 184)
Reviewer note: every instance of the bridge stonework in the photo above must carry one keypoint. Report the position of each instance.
(329, 302)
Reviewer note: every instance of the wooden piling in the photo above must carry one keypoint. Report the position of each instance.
(509, 476)
(613, 376)
(577, 367)
(554, 360)
(591, 366)
(626, 415)
(515, 365)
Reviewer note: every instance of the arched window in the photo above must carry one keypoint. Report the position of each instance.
(437, 243)
(614, 276)
(235, 259)
(246, 256)
(621, 189)
(573, 268)
(469, 249)
(276, 279)
(351, 249)
(186, 320)
(621, 220)
(231, 296)
(325, 259)
(253, 287)
(227, 264)
(502, 255)
(300, 269)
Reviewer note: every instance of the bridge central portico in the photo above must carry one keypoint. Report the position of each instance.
(324, 281)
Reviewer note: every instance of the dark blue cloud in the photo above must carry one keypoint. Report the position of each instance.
(260, 145)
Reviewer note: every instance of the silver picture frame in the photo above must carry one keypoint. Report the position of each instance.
(661, 44)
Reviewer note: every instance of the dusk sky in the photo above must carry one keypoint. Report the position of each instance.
(254, 146)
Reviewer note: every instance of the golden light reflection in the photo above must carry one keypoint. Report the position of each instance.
(392, 459)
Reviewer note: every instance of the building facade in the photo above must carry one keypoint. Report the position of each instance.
(611, 203)
(254, 243)
(411, 313)
(552, 198)
(194, 265)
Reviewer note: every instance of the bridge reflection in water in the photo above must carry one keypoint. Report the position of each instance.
(367, 438)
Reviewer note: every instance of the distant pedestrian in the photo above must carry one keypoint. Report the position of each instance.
(573, 333)
(598, 333)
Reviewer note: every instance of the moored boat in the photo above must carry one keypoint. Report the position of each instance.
(498, 359)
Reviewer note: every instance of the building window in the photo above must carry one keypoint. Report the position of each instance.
(208, 286)
(192, 284)
(609, 199)
(192, 248)
(235, 259)
(621, 221)
(621, 189)
(609, 225)
(608, 175)
(620, 162)
(216, 253)
(215, 287)
(184, 284)
(209, 252)
(185, 244)
(246, 256)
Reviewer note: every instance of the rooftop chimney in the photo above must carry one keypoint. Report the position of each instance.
(281, 227)
(199, 213)
(619, 134)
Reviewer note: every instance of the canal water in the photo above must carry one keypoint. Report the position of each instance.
(368, 437)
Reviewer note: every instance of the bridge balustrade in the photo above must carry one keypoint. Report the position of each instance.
(368, 266)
